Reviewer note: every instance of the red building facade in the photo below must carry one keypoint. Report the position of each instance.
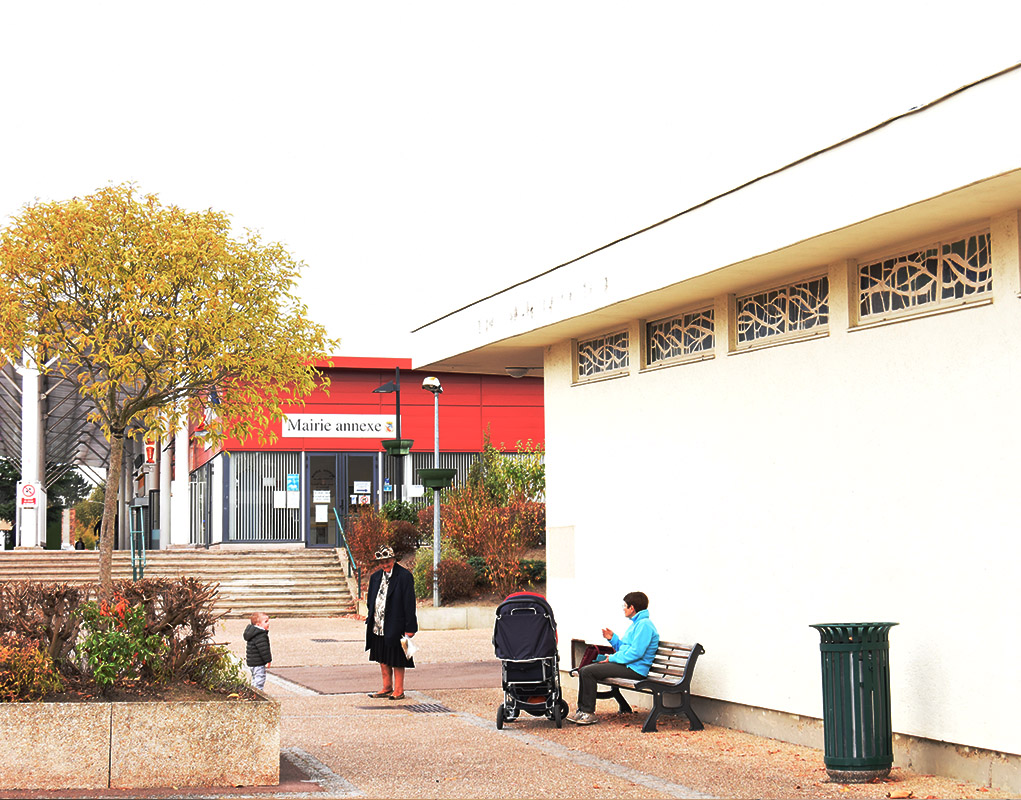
(328, 458)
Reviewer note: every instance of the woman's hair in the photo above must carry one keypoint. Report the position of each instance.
(637, 600)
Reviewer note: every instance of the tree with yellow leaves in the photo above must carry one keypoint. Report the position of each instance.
(151, 310)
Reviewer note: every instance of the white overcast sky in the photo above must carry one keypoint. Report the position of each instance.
(419, 155)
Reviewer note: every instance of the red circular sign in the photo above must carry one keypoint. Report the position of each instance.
(28, 490)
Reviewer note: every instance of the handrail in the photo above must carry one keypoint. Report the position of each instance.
(137, 538)
(137, 555)
(350, 556)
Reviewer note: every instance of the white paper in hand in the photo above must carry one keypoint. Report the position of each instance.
(409, 646)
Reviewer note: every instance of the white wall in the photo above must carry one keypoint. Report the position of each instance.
(867, 476)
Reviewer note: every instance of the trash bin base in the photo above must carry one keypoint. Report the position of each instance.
(857, 775)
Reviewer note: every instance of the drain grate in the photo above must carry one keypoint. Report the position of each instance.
(429, 708)
(326, 640)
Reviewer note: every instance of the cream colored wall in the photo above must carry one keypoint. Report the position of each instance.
(867, 476)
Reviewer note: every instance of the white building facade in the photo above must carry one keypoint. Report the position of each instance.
(799, 403)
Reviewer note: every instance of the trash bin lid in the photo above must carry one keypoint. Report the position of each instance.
(854, 632)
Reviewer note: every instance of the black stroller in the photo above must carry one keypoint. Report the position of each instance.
(525, 639)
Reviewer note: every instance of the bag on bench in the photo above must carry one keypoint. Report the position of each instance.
(592, 652)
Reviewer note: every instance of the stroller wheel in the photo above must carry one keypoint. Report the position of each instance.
(558, 719)
(564, 708)
(500, 717)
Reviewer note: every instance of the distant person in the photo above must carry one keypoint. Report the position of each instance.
(391, 617)
(631, 658)
(257, 653)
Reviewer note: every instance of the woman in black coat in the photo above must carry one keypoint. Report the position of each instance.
(391, 607)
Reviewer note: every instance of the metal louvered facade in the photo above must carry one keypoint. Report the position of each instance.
(256, 481)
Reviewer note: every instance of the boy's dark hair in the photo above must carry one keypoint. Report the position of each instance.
(637, 600)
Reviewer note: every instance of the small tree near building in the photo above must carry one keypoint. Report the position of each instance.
(150, 309)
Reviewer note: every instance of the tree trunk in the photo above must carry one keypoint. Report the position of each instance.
(108, 531)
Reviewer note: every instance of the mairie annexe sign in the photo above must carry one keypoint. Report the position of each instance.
(339, 426)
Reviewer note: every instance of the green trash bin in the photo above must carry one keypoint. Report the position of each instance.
(856, 700)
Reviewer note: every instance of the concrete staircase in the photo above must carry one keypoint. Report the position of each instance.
(282, 583)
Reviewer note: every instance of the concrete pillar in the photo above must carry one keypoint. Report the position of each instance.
(31, 518)
(125, 492)
(1005, 234)
(65, 529)
(180, 509)
(843, 278)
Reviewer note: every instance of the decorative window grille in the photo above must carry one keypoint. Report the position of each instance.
(604, 355)
(682, 337)
(944, 273)
(791, 310)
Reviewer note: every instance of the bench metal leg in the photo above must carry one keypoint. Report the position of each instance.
(657, 709)
(694, 723)
(623, 705)
(689, 712)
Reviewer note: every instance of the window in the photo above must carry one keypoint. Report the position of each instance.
(940, 274)
(686, 337)
(603, 356)
(793, 311)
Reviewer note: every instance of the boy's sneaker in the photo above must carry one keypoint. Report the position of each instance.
(582, 718)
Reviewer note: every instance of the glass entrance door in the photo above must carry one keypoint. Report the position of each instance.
(322, 499)
(360, 479)
(337, 481)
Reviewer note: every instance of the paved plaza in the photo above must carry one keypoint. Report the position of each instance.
(442, 741)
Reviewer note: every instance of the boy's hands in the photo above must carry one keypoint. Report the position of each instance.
(607, 634)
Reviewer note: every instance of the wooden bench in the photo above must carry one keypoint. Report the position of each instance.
(668, 681)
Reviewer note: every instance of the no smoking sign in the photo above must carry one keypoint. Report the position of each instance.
(28, 495)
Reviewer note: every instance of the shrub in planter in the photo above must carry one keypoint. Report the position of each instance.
(529, 517)
(422, 570)
(27, 672)
(478, 564)
(403, 538)
(533, 570)
(152, 631)
(400, 511)
(217, 670)
(366, 533)
(43, 612)
(114, 643)
(457, 579)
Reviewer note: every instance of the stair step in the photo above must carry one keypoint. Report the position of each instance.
(292, 583)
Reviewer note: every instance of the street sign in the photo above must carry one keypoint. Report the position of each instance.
(28, 495)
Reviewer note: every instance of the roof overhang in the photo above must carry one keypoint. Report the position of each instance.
(952, 162)
(70, 439)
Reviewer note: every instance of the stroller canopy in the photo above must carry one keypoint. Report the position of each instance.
(525, 628)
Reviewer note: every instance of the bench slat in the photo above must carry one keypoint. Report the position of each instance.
(667, 675)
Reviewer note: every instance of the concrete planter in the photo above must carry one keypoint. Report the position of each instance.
(140, 745)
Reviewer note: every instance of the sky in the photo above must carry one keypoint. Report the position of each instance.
(417, 156)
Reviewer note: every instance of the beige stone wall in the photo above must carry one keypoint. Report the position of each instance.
(870, 475)
(139, 745)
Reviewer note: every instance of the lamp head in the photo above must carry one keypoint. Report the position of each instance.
(433, 385)
(516, 372)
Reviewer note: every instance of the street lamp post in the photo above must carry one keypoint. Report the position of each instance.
(394, 387)
(433, 385)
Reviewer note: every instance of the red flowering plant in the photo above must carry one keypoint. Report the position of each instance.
(114, 645)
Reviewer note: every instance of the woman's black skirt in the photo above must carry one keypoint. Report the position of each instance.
(391, 655)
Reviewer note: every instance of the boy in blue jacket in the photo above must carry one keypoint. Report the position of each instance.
(631, 658)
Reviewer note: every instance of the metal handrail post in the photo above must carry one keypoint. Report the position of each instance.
(351, 563)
